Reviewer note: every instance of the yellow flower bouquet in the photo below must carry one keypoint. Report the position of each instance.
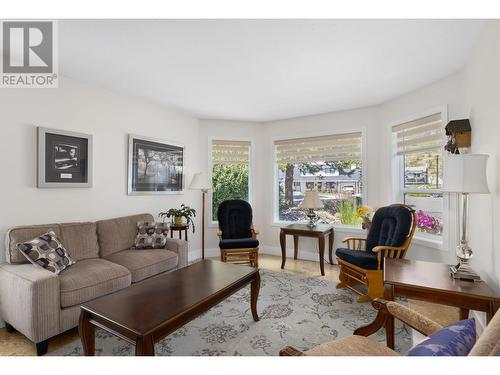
(365, 213)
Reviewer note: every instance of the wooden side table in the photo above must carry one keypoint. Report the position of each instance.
(320, 231)
(179, 229)
(432, 282)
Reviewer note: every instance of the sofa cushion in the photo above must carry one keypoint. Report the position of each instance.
(119, 233)
(239, 243)
(360, 258)
(151, 235)
(456, 339)
(80, 240)
(91, 278)
(145, 263)
(47, 252)
(22, 234)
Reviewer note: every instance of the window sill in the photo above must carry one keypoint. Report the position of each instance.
(338, 227)
(428, 242)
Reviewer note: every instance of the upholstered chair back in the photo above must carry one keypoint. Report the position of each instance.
(391, 226)
(235, 219)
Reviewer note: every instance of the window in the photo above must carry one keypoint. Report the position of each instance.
(418, 146)
(331, 164)
(230, 172)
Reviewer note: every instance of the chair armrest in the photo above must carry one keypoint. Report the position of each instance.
(412, 318)
(355, 243)
(181, 248)
(219, 234)
(255, 232)
(290, 351)
(30, 300)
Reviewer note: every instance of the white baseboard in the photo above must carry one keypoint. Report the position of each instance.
(270, 250)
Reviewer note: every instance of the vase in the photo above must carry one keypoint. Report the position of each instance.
(178, 221)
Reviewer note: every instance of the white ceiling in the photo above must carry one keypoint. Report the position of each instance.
(263, 70)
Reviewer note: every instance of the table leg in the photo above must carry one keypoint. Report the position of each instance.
(87, 333)
(171, 233)
(283, 248)
(186, 234)
(322, 254)
(254, 295)
(144, 346)
(330, 246)
(389, 322)
(295, 246)
(464, 313)
(180, 235)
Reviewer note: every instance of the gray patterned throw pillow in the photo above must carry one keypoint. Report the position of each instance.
(47, 252)
(151, 235)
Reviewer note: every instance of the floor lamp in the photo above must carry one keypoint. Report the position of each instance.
(465, 174)
(201, 182)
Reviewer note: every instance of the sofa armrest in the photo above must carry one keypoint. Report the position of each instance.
(30, 300)
(181, 248)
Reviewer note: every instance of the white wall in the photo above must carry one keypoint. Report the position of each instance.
(109, 117)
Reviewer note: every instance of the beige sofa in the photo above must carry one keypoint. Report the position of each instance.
(40, 304)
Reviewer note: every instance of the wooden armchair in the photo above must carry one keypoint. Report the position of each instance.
(361, 263)
(237, 236)
(360, 345)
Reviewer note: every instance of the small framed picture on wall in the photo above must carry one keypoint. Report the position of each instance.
(64, 159)
(155, 166)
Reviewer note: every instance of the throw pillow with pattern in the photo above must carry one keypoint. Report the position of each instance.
(151, 235)
(47, 252)
(457, 339)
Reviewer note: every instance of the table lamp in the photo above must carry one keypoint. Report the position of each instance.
(201, 182)
(465, 174)
(311, 202)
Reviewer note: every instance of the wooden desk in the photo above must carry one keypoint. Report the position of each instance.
(179, 229)
(320, 231)
(432, 282)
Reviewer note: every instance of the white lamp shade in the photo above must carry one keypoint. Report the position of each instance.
(311, 200)
(466, 174)
(200, 181)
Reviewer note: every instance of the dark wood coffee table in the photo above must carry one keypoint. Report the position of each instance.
(144, 313)
(320, 231)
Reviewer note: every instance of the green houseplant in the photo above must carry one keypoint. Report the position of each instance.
(178, 213)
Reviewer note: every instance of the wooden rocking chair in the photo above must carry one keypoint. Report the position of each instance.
(361, 263)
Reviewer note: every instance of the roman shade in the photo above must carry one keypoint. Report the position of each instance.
(423, 134)
(322, 148)
(230, 152)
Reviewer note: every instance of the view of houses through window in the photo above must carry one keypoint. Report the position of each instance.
(332, 165)
(418, 146)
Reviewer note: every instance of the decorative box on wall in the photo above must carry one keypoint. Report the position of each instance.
(64, 159)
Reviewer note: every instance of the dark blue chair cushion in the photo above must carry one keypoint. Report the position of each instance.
(360, 258)
(457, 339)
(238, 243)
(390, 226)
(235, 219)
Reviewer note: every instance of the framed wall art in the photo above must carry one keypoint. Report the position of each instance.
(155, 166)
(64, 159)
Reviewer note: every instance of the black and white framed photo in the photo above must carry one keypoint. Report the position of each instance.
(64, 159)
(155, 166)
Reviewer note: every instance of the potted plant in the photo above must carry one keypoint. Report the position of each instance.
(177, 215)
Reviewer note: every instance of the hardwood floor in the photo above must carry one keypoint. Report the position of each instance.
(16, 344)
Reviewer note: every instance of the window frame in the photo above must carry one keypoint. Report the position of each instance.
(274, 219)
(251, 162)
(398, 190)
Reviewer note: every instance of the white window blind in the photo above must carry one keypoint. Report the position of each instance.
(322, 148)
(420, 135)
(230, 152)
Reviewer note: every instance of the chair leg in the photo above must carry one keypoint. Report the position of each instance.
(342, 281)
(42, 347)
(257, 258)
(375, 284)
(9, 328)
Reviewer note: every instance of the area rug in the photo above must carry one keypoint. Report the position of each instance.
(293, 310)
